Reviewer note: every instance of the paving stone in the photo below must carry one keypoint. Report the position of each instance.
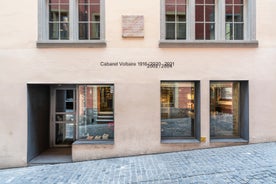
(254, 163)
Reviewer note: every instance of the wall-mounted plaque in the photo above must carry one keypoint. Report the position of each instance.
(133, 26)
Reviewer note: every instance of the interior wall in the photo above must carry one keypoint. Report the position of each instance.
(38, 119)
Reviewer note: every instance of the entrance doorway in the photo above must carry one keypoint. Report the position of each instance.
(63, 116)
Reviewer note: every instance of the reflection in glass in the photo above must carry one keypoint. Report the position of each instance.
(177, 109)
(96, 114)
(170, 1)
(58, 20)
(209, 31)
(89, 20)
(175, 19)
(95, 31)
(199, 27)
(65, 101)
(234, 18)
(224, 109)
(170, 31)
(181, 31)
(65, 118)
(200, 13)
(205, 20)
(64, 133)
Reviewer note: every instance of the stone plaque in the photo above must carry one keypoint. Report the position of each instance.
(133, 26)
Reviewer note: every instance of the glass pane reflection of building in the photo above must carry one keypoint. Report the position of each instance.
(177, 110)
(65, 117)
(224, 109)
(96, 114)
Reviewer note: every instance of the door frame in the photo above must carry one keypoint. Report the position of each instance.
(53, 123)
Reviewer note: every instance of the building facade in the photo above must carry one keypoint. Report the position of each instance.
(119, 78)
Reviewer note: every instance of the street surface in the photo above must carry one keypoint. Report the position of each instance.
(255, 163)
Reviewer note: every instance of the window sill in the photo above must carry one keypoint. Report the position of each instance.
(179, 141)
(98, 142)
(234, 140)
(207, 44)
(70, 44)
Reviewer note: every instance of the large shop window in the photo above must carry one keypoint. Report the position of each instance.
(179, 110)
(229, 110)
(71, 22)
(96, 112)
(215, 22)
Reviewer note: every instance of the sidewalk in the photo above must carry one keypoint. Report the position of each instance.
(255, 163)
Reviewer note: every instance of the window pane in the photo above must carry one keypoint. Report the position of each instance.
(238, 1)
(229, 14)
(170, 13)
(170, 1)
(95, 31)
(54, 1)
(199, 1)
(238, 10)
(170, 31)
(181, 31)
(238, 28)
(83, 31)
(177, 109)
(64, 102)
(64, 12)
(64, 31)
(234, 18)
(210, 13)
(229, 2)
(83, 1)
(83, 12)
(170, 18)
(96, 114)
(209, 1)
(181, 1)
(64, 133)
(95, 13)
(181, 13)
(53, 12)
(200, 13)
(199, 29)
(224, 109)
(210, 31)
(95, 1)
(59, 14)
(228, 31)
(53, 31)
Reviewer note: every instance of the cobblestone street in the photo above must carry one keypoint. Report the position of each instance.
(255, 163)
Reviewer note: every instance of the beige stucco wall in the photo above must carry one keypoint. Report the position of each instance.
(137, 100)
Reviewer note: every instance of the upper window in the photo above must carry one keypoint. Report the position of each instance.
(67, 21)
(176, 19)
(58, 21)
(234, 21)
(198, 20)
(205, 20)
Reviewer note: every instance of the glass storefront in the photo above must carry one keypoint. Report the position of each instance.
(224, 109)
(96, 112)
(177, 110)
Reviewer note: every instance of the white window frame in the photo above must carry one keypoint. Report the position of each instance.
(43, 27)
(220, 39)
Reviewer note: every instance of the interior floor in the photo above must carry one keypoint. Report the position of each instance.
(53, 156)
